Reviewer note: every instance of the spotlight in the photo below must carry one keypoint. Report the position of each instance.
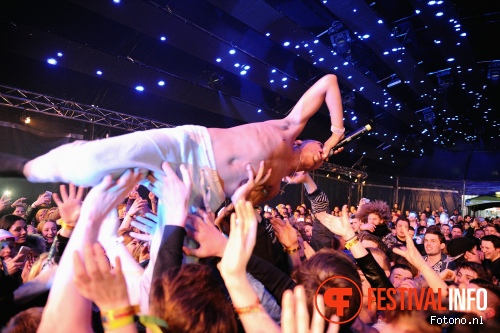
(25, 119)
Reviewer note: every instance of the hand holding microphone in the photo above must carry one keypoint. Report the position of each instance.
(352, 136)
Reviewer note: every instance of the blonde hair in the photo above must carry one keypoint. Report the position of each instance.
(40, 225)
(36, 268)
(53, 214)
(41, 215)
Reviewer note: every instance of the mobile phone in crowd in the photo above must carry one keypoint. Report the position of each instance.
(23, 253)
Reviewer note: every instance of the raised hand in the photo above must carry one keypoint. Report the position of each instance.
(295, 316)
(410, 253)
(18, 202)
(253, 184)
(43, 199)
(137, 206)
(297, 178)
(338, 225)
(4, 202)
(95, 281)
(286, 234)
(14, 264)
(104, 197)
(241, 241)
(367, 226)
(330, 143)
(203, 230)
(147, 224)
(69, 204)
(173, 193)
(308, 250)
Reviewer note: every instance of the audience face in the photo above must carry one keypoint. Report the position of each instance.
(355, 223)
(489, 250)
(121, 212)
(479, 233)
(19, 211)
(375, 219)
(31, 230)
(308, 230)
(401, 226)
(49, 231)
(490, 230)
(423, 217)
(412, 217)
(432, 245)
(412, 233)
(132, 245)
(399, 275)
(456, 233)
(464, 275)
(445, 230)
(6, 247)
(19, 230)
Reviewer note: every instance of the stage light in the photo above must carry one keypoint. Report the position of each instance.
(59, 54)
(139, 88)
(98, 72)
(243, 72)
(52, 61)
(286, 43)
(218, 59)
(232, 51)
(161, 83)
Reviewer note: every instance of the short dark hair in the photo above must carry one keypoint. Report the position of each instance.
(481, 272)
(458, 226)
(494, 239)
(435, 231)
(402, 266)
(402, 218)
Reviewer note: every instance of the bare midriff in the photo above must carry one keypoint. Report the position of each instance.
(270, 141)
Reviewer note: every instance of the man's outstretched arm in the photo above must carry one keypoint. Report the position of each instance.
(325, 90)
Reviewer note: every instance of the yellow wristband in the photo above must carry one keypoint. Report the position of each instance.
(290, 251)
(118, 323)
(353, 241)
(64, 225)
(110, 315)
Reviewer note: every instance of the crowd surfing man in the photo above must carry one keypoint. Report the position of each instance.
(218, 159)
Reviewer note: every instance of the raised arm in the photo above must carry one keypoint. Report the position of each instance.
(325, 90)
(101, 200)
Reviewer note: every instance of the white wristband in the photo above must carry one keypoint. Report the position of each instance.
(336, 130)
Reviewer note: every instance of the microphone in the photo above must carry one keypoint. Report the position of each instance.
(354, 135)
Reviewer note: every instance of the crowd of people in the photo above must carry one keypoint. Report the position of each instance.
(114, 261)
(100, 257)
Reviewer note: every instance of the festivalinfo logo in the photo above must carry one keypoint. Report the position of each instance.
(339, 299)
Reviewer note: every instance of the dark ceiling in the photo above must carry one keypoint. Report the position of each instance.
(424, 74)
